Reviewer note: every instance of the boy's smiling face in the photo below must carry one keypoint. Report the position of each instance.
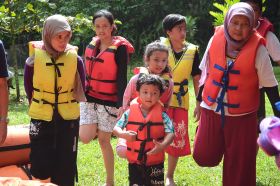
(149, 94)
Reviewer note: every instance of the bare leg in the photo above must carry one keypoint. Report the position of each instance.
(172, 163)
(108, 155)
(87, 132)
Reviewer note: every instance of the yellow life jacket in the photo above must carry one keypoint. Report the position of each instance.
(181, 71)
(47, 73)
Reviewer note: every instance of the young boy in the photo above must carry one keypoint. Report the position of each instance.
(184, 61)
(148, 132)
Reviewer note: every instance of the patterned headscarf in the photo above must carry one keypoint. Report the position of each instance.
(52, 26)
(243, 9)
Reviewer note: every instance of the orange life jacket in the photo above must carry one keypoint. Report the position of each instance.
(239, 80)
(101, 69)
(265, 26)
(148, 128)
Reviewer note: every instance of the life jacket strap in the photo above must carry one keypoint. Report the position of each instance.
(224, 85)
(53, 104)
(56, 66)
(182, 91)
(38, 90)
(90, 89)
(26, 170)
(94, 59)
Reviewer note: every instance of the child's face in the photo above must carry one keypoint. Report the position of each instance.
(257, 11)
(149, 94)
(157, 62)
(60, 41)
(178, 33)
(239, 27)
(103, 28)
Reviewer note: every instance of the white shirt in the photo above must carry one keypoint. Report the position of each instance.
(273, 46)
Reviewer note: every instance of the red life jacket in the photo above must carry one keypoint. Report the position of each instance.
(239, 81)
(265, 26)
(101, 69)
(148, 128)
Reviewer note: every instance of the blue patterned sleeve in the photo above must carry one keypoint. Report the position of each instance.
(123, 120)
(168, 125)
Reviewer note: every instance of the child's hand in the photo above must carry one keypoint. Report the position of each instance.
(159, 147)
(130, 135)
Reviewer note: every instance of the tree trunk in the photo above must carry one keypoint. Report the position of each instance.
(14, 60)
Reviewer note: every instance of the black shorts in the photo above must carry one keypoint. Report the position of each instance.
(54, 150)
(146, 175)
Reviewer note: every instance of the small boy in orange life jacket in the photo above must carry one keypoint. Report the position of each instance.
(148, 132)
(265, 29)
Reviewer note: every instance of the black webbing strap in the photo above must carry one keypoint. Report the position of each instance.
(26, 170)
(14, 147)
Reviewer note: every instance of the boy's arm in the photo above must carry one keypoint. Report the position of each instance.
(128, 135)
(169, 135)
(160, 146)
(119, 128)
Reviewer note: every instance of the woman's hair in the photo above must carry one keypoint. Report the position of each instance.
(153, 47)
(150, 79)
(171, 21)
(108, 15)
(257, 2)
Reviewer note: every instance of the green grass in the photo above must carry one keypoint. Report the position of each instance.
(90, 161)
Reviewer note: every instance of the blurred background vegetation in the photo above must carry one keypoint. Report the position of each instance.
(21, 20)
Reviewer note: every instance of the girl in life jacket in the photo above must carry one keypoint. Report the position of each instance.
(235, 64)
(156, 62)
(53, 81)
(148, 132)
(184, 61)
(106, 59)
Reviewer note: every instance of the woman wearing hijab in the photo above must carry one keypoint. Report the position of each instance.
(53, 82)
(234, 66)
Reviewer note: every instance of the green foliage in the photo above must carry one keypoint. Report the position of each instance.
(223, 8)
(19, 16)
(191, 28)
(263, 8)
(141, 19)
